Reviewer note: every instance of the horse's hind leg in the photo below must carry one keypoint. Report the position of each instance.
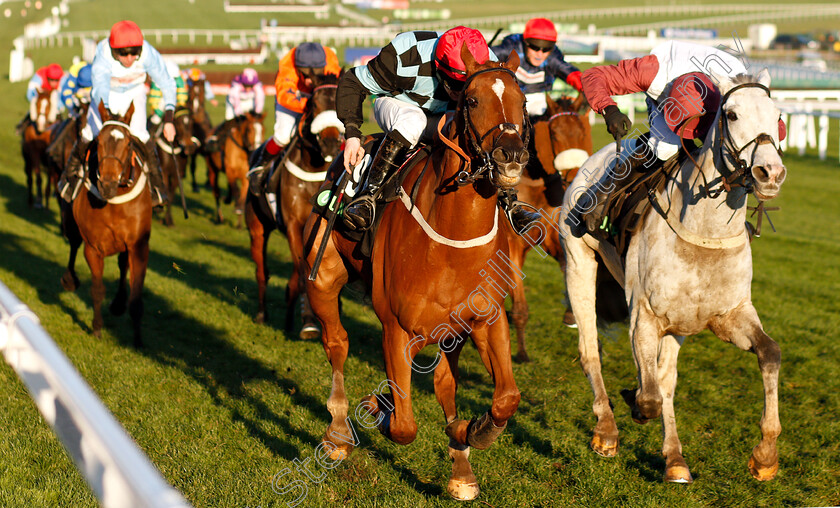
(39, 198)
(138, 260)
(462, 483)
(645, 338)
(296, 288)
(743, 328)
(118, 304)
(519, 317)
(97, 287)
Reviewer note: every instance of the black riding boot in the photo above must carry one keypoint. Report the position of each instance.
(588, 213)
(71, 177)
(261, 163)
(518, 215)
(359, 214)
(159, 197)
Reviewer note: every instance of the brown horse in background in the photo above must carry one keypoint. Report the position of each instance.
(64, 136)
(114, 216)
(43, 113)
(319, 138)
(431, 280)
(242, 135)
(202, 125)
(173, 157)
(562, 142)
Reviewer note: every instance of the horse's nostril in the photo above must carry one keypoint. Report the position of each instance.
(760, 173)
(522, 157)
(502, 155)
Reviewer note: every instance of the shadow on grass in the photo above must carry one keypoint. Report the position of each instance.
(16, 203)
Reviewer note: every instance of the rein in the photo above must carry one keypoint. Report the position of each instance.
(137, 187)
(124, 164)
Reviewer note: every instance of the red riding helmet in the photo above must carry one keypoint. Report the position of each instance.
(691, 105)
(448, 51)
(125, 34)
(54, 71)
(540, 28)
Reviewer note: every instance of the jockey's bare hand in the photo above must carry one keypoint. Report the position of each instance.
(169, 131)
(353, 153)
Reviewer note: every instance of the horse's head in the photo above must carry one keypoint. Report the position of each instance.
(320, 120)
(495, 123)
(195, 97)
(252, 130)
(43, 110)
(569, 133)
(114, 149)
(184, 129)
(749, 134)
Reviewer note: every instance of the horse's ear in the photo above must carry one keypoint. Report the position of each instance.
(763, 77)
(129, 112)
(580, 105)
(552, 106)
(469, 60)
(512, 62)
(104, 114)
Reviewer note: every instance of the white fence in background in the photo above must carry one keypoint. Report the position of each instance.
(117, 471)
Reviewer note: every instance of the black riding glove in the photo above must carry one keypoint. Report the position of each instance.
(618, 124)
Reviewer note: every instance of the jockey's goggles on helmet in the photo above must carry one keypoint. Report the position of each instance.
(451, 83)
(129, 51)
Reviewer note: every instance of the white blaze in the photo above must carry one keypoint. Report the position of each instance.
(117, 134)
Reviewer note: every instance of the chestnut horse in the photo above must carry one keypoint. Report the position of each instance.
(319, 138)
(562, 142)
(429, 274)
(114, 216)
(202, 126)
(43, 113)
(173, 157)
(688, 269)
(242, 135)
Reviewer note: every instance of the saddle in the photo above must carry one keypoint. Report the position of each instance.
(387, 193)
(629, 205)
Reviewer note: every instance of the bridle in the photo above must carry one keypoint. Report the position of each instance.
(741, 176)
(309, 118)
(486, 164)
(123, 163)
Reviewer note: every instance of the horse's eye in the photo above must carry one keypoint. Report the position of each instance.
(472, 102)
(731, 116)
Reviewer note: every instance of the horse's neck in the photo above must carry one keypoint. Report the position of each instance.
(719, 216)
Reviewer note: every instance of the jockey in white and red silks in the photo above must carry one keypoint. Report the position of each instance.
(682, 103)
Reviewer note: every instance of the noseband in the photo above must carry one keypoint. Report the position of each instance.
(488, 164)
(742, 175)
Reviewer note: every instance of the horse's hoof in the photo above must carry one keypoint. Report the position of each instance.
(605, 447)
(629, 397)
(569, 319)
(462, 490)
(97, 334)
(338, 452)
(676, 471)
(259, 318)
(69, 282)
(522, 357)
(762, 473)
(310, 332)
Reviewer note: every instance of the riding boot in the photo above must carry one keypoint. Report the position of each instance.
(359, 214)
(517, 213)
(73, 174)
(159, 197)
(589, 212)
(261, 163)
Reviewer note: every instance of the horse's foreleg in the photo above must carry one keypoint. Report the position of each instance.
(462, 483)
(581, 273)
(296, 288)
(118, 304)
(259, 250)
(676, 469)
(340, 436)
(70, 281)
(39, 199)
(138, 260)
(97, 287)
(398, 423)
(493, 344)
(645, 338)
(193, 157)
(213, 179)
(519, 316)
(742, 327)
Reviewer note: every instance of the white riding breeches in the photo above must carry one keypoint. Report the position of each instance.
(409, 120)
(284, 124)
(119, 104)
(535, 103)
(245, 105)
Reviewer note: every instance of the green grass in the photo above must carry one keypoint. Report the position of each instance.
(221, 405)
